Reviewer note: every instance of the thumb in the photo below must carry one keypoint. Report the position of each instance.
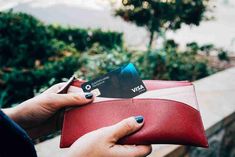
(126, 127)
(58, 101)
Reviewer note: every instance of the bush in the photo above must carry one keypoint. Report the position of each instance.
(54, 72)
(23, 40)
(35, 56)
(223, 56)
(99, 60)
(83, 39)
(167, 63)
(20, 85)
(107, 39)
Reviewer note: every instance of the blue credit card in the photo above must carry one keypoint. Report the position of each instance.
(123, 82)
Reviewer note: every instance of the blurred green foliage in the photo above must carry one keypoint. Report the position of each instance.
(167, 63)
(223, 56)
(23, 36)
(83, 39)
(34, 56)
(23, 40)
(162, 15)
(20, 84)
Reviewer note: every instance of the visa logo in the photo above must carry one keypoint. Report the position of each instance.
(138, 88)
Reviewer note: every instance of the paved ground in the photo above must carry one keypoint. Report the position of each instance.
(98, 14)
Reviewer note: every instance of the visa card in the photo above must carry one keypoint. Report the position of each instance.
(123, 82)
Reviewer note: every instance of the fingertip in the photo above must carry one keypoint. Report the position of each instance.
(143, 150)
(136, 121)
(139, 119)
(79, 98)
(148, 149)
(125, 127)
(85, 97)
(89, 96)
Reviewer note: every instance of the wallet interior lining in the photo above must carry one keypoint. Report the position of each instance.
(183, 94)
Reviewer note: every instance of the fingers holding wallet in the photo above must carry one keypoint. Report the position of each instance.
(103, 142)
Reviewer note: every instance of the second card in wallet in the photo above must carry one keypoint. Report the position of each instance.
(123, 82)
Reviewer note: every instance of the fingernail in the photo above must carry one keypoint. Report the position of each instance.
(89, 96)
(139, 119)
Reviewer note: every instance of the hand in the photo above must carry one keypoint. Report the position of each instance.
(40, 115)
(102, 142)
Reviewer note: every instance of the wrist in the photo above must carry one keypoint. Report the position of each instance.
(13, 114)
(10, 112)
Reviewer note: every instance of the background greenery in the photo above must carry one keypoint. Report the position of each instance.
(158, 16)
(34, 56)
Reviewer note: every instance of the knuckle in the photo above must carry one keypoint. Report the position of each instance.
(47, 100)
(60, 84)
(56, 86)
(128, 125)
(105, 130)
(102, 132)
(77, 97)
(48, 97)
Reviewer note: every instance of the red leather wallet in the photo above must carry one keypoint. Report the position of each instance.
(169, 108)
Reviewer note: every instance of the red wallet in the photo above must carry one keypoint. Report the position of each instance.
(169, 108)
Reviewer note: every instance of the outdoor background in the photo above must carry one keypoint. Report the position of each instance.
(43, 42)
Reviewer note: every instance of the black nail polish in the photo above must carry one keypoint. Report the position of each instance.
(89, 96)
(139, 119)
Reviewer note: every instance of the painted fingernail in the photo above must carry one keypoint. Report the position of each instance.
(139, 119)
(89, 96)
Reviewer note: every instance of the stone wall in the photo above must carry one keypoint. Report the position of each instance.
(221, 142)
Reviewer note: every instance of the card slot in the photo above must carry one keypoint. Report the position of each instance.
(183, 94)
(162, 84)
(133, 101)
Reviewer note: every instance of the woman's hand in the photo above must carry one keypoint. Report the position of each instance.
(42, 114)
(102, 142)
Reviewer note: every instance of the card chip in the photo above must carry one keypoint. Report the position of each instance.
(96, 92)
